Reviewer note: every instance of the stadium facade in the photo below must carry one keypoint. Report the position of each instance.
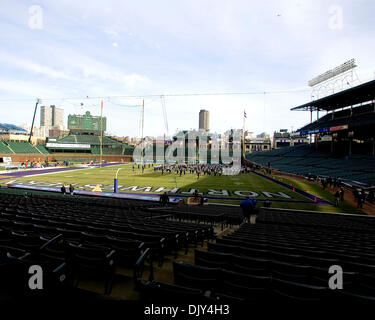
(342, 143)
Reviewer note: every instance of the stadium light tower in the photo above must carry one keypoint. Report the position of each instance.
(32, 124)
(334, 80)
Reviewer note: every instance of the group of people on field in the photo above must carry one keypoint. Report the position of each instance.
(332, 182)
(141, 166)
(198, 169)
(361, 197)
(164, 198)
(71, 189)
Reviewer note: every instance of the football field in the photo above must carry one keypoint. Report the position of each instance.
(218, 189)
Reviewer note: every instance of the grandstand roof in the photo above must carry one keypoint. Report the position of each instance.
(359, 94)
(6, 127)
(326, 125)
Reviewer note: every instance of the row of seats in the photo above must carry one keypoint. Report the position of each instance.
(305, 159)
(94, 235)
(212, 214)
(90, 139)
(15, 147)
(284, 256)
(109, 151)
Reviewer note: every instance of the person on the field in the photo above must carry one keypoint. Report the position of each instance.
(342, 192)
(71, 189)
(196, 194)
(164, 199)
(337, 198)
(63, 189)
(324, 183)
(355, 194)
(359, 200)
(364, 197)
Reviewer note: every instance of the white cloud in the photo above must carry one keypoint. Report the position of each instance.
(26, 88)
(8, 60)
(145, 47)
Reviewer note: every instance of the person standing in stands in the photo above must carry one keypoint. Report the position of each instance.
(267, 204)
(71, 189)
(254, 211)
(246, 206)
(201, 200)
(63, 189)
(164, 199)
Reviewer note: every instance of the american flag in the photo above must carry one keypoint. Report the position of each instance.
(244, 114)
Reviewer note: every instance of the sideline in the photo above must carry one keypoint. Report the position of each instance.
(312, 197)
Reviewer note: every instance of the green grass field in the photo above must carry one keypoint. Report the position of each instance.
(87, 179)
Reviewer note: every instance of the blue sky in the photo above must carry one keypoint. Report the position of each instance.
(140, 48)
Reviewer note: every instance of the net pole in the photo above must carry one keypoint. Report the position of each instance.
(101, 133)
(143, 122)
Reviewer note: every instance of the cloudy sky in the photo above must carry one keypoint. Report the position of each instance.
(70, 53)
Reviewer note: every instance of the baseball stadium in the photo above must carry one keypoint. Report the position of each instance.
(89, 215)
